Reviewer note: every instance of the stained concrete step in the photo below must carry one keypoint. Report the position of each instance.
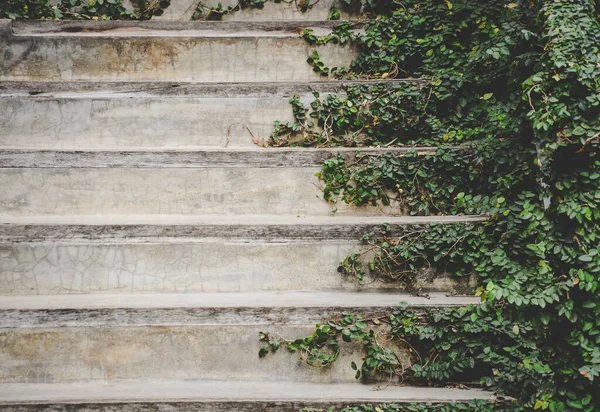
(97, 115)
(215, 396)
(153, 337)
(186, 10)
(248, 308)
(278, 182)
(130, 254)
(162, 51)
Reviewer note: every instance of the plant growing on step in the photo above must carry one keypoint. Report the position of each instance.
(341, 34)
(518, 81)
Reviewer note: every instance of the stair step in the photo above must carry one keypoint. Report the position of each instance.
(101, 182)
(205, 158)
(184, 10)
(162, 51)
(136, 28)
(107, 116)
(206, 226)
(216, 396)
(129, 254)
(201, 305)
(177, 336)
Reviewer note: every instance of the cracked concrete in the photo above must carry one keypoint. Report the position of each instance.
(68, 354)
(63, 268)
(49, 268)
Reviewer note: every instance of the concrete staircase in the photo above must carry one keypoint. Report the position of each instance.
(146, 239)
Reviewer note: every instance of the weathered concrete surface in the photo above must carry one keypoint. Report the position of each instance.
(214, 396)
(183, 182)
(211, 158)
(141, 28)
(248, 308)
(118, 51)
(218, 191)
(48, 268)
(148, 115)
(167, 191)
(122, 121)
(300, 301)
(124, 254)
(168, 352)
(183, 10)
(47, 227)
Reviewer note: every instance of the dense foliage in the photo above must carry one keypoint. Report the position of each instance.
(67, 9)
(146, 9)
(509, 93)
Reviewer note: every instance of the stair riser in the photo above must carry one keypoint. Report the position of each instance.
(63, 268)
(183, 10)
(193, 59)
(114, 123)
(158, 352)
(167, 191)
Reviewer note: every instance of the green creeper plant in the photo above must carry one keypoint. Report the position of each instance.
(508, 93)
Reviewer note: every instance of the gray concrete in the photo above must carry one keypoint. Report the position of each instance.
(48, 268)
(215, 158)
(192, 352)
(183, 10)
(60, 339)
(166, 191)
(119, 121)
(145, 52)
(148, 115)
(106, 121)
(151, 115)
(125, 254)
(206, 309)
(148, 29)
(276, 300)
(207, 391)
(137, 223)
(121, 254)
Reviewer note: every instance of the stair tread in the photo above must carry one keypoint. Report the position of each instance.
(200, 158)
(206, 391)
(95, 89)
(268, 299)
(224, 220)
(125, 28)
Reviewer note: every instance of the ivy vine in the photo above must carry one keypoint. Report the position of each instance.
(218, 11)
(80, 9)
(509, 94)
